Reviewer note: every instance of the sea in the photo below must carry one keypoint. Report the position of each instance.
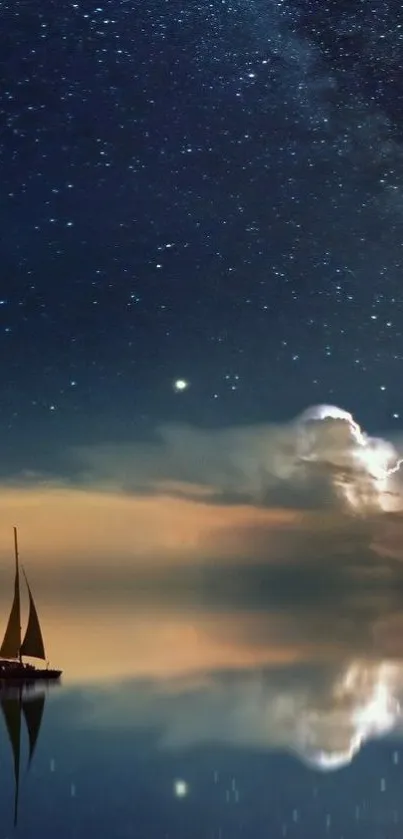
(219, 718)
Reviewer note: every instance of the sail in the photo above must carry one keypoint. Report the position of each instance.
(10, 647)
(11, 708)
(33, 713)
(32, 644)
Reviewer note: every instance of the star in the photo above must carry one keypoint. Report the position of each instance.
(180, 385)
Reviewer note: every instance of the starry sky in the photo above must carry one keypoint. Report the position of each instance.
(201, 236)
(207, 192)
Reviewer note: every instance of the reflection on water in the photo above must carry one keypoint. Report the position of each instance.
(322, 713)
(22, 702)
(178, 722)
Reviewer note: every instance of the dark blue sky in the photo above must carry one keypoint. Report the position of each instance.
(211, 193)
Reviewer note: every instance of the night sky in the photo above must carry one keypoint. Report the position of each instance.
(201, 191)
(201, 237)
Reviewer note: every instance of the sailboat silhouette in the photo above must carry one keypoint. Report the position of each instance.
(14, 705)
(13, 648)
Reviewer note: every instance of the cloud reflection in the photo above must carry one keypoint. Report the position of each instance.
(321, 713)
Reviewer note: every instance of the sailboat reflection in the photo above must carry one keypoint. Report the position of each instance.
(22, 701)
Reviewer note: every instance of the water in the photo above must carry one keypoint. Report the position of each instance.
(183, 720)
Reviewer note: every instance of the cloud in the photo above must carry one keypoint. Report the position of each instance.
(321, 459)
(312, 494)
(81, 524)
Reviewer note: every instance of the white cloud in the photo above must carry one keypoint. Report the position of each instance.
(320, 458)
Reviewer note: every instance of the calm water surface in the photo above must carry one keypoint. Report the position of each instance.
(211, 723)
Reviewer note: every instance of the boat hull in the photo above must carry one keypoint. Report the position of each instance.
(28, 674)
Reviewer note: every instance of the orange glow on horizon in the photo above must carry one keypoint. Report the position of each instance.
(152, 643)
(80, 547)
(60, 523)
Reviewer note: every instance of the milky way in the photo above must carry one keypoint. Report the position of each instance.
(211, 194)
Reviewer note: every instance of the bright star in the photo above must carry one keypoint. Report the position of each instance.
(180, 385)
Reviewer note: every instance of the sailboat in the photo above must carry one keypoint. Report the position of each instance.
(13, 648)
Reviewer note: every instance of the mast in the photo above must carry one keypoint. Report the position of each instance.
(17, 578)
(11, 646)
(32, 643)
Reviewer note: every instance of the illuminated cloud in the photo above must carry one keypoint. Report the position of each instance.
(285, 496)
(321, 458)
